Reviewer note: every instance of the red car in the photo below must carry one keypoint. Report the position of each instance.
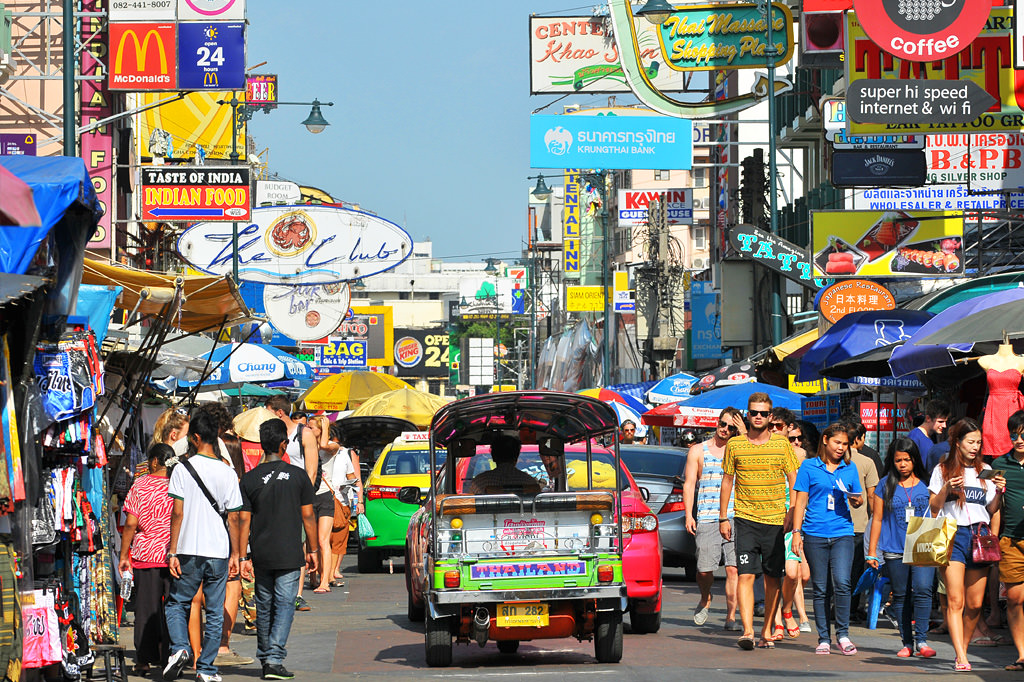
(641, 559)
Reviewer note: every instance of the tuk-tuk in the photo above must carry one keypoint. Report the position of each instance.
(524, 550)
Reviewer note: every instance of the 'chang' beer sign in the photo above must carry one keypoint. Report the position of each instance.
(299, 245)
(714, 37)
(773, 252)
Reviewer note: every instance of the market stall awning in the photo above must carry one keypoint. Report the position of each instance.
(207, 302)
(795, 343)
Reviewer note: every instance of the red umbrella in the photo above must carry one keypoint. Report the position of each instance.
(17, 207)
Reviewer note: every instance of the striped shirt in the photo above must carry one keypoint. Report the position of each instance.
(148, 502)
(760, 485)
(709, 488)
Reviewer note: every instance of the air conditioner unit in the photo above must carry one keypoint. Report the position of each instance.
(700, 203)
(700, 263)
(822, 39)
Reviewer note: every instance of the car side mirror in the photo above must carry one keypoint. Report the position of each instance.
(645, 493)
(409, 494)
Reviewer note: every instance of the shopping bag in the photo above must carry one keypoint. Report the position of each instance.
(929, 541)
(365, 529)
(985, 548)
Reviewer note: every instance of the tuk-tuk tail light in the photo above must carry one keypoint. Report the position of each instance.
(456, 523)
(605, 573)
(596, 519)
(451, 579)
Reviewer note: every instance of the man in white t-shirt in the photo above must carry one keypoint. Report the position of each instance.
(202, 549)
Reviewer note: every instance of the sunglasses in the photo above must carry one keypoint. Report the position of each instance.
(1017, 436)
(778, 426)
(759, 413)
(795, 439)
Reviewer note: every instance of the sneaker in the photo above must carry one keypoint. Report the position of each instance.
(176, 663)
(805, 626)
(925, 651)
(302, 605)
(231, 658)
(759, 609)
(276, 671)
(208, 677)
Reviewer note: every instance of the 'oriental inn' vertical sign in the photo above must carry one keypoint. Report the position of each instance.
(571, 225)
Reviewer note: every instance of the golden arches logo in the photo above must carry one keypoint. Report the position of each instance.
(141, 50)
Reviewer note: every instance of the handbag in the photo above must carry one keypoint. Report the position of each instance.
(929, 541)
(985, 548)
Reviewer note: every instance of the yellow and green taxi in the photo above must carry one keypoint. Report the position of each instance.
(403, 462)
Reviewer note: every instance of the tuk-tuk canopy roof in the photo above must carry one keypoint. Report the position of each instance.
(533, 414)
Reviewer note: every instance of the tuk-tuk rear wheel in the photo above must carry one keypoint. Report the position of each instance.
(438, 642)
(508, 646)
(608, 636)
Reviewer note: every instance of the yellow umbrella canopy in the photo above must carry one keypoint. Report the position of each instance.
(247, 424)
(405, 403)
(348, 390)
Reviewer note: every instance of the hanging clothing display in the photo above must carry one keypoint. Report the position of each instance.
(1004, 398)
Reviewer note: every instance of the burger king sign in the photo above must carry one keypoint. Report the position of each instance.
(408, 352)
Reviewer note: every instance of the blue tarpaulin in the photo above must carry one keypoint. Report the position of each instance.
(67, 204)
(97, 303)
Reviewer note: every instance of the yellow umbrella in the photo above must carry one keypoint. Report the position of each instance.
(247, 424)
(405, 403)
(348, 390)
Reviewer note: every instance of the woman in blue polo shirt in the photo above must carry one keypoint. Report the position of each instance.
(900, 494)
(826, 487)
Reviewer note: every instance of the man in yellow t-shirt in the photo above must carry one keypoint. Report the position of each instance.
(760, 467)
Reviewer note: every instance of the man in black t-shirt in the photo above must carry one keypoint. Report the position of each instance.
(277, 501)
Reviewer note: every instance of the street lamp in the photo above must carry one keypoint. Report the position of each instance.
(655, 11)
(541, 192)
(242, 111)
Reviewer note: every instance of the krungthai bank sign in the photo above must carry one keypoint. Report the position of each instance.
(143, 56)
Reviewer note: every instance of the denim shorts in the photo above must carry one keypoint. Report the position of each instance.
(962, 547)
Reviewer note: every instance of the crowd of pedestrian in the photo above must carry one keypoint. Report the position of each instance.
(203, 538)
(793, 506)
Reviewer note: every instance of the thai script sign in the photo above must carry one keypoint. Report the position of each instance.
(610, 142)
(191, 193)
(886, 244)
(299, 245)
(633, 203)
(709, 37)
(986, 61)
(578, 54)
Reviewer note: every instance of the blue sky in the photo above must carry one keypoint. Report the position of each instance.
(431, 117)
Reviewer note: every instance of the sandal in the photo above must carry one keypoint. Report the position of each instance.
(793, 632)
(824, 649)
(964, 667)
(337, 583)
(846, 647)
(1017, 666)
(746, 642)
(321, 590)
(766, 644)
(778, 636)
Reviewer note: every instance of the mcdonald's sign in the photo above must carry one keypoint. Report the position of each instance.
(143, 56)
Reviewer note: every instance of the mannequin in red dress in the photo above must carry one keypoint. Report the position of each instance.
(1003, 370)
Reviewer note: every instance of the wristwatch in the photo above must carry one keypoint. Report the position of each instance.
(172, 556)
(723, 520)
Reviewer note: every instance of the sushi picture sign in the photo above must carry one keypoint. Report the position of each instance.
(887, 243)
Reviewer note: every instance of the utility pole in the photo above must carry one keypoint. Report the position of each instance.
(771, 52)
(605, 180)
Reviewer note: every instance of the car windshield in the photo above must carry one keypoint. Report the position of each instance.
(655, 461)
(531, 464)
(402, 462)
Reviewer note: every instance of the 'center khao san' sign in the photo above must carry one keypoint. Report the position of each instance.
(708, 37)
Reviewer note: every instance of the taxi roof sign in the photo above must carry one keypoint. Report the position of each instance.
(414, 437)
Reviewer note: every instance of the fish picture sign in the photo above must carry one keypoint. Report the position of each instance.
(298, 245)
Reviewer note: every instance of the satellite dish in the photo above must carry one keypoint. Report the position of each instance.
(255, 160)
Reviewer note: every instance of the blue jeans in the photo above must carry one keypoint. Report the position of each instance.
(275, 608)
(825, 557)
(212, 574)
(918, 607)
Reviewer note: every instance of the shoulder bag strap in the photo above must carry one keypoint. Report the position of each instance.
(206, 491)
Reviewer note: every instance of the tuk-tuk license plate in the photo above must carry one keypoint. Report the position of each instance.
(522, 614)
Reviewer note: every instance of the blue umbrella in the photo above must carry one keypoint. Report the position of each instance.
(670, 389)
(737, 394)
(914, 356)
(858, 333)
(252, 363)
(625, 412)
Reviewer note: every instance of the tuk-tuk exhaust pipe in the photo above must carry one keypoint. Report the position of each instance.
(481, 626)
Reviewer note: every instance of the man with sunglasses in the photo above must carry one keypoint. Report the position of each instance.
(703, 478)
(758, 467)
(627, 432)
